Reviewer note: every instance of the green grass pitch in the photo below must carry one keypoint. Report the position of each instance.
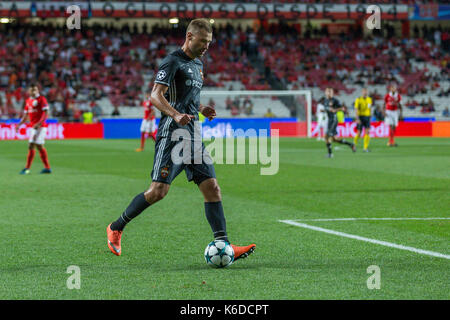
(50, 222)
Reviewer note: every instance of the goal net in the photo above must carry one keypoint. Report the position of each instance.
(281, 105)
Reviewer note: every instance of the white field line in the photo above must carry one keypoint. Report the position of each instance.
(374, 241)
(356, 219)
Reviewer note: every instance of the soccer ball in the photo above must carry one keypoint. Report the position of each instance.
(219, 254)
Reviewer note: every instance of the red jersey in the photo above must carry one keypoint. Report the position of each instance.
(148, 110)
(392, 100)
(35, 108)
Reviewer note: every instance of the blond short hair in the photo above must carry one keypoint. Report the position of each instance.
(199, 24)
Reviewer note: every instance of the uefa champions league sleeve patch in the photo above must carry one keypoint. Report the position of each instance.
(161, 75)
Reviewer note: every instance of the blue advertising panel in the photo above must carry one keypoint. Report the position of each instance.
(220, 127)
(431, 11)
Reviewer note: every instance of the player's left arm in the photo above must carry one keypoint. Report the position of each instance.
(41, 120)
(400, 107)
(339, 107)
(44, 114)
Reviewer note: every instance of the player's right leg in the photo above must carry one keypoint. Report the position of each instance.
(30, 157)
(152, 130)
(144, 135)
(328, 140)
(319, 131)
(163, 173)
(366, 138)
(142, 201)
(392, 136)
(392, 121)
(357, 136)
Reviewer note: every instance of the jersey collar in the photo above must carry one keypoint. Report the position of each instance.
(185, 55)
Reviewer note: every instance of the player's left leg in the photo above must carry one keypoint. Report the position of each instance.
(356, 138)
(144, 135)
(392, 130)
(44, 157)
(213, 208)
(366, 139)
(153, 135)
(216, 218)
(204, 176)
(342, 141)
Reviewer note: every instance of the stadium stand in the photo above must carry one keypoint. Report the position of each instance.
(112, 68)
(284, 1)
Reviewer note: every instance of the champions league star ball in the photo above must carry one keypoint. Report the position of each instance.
(219, 254)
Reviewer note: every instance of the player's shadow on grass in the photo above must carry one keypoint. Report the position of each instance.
(159, 266)
(254, 265)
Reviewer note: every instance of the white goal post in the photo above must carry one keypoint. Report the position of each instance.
(287, 101)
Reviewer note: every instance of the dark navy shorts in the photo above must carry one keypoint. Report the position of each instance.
(197, 164)
(332, 127)
(364, 123)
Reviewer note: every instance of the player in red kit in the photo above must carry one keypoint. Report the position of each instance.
(148, 126)
(392, 112)
(36, 109)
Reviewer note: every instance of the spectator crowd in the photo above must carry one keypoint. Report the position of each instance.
(76, 69)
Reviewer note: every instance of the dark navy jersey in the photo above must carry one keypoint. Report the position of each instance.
(331, 103)
(184, 77)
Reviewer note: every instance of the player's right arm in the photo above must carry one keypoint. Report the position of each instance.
(384, 105)
(339, 107)
(23, 119)
(166, 74)
(358, 121)
(159, 101)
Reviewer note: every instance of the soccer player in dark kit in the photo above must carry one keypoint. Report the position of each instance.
(176, 94)
(332, 105)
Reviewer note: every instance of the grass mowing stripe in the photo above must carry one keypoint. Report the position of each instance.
(52, 222)
(375, 241)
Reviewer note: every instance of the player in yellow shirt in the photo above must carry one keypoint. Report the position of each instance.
(363, 105)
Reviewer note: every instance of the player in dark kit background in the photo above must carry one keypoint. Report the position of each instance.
(176, 94)
(332, 105)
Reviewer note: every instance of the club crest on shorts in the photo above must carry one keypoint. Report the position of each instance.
(164, 172)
